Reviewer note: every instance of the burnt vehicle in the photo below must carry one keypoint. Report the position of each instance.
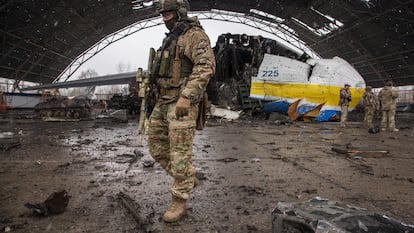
(64, 107)
(78, 107)
(130, 102)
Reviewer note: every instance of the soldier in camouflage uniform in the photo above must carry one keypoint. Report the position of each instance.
(344, 99)
(370, 105)
(173, 119)
(388, 97)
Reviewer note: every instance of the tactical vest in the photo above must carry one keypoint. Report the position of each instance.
(164, 63)
(344, 97)
(369, 99)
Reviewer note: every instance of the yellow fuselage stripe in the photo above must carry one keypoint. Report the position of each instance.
(313, 93)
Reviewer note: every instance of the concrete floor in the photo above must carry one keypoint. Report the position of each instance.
(246, 166)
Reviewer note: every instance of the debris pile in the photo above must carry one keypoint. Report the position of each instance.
(238, 57)
(56, 203)
(320, 215)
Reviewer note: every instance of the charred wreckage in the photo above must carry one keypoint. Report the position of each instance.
(238, 58)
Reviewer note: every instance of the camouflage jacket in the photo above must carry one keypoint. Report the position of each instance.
(197, 61)
(388, 97)
(345, 97)
(370, 100)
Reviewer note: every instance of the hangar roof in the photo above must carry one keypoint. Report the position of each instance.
(39, 39)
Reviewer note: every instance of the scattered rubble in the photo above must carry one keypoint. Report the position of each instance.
(143, 220)
(56, 203)
(320, 215)
(364, 152)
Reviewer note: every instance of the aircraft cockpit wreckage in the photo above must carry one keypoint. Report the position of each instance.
(257, 73)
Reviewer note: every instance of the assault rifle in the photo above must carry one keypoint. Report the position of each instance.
(144, 77)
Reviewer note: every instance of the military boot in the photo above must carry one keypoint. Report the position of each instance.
(176, 211)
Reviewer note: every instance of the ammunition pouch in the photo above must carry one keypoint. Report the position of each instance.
(162, 65)
(165, 64)
(202, 112)
(171, 93)
(168, 90)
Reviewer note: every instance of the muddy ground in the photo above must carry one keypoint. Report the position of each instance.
(246, 167)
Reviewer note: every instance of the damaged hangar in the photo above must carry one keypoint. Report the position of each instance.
(40, 40)
(245, 166)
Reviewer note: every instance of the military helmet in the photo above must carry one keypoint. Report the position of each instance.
(180, 6)
(388, 83)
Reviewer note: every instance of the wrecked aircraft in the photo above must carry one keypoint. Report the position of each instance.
(308, 90)
(254, 72)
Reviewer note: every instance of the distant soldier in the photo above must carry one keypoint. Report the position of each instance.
(388, 97)
(2, 102)
(370, 105)
(344, 99)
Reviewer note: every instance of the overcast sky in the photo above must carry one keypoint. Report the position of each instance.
(133, 50)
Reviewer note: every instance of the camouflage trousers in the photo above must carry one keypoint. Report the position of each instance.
(388, 119)
(368, 117)
(344, 115)
(170, 143)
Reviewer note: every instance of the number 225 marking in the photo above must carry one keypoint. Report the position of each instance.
(270, 73)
